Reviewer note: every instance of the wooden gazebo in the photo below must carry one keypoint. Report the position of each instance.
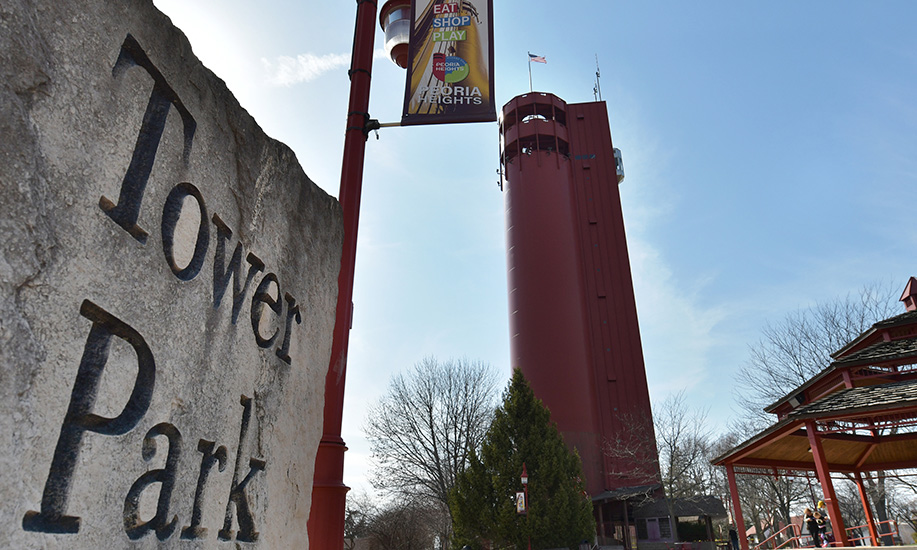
(858, 415)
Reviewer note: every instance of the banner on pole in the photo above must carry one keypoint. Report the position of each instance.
(450, 64)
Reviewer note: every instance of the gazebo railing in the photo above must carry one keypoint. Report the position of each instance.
(892, 532)
(795, 538)
(892, 526)
(773, 542)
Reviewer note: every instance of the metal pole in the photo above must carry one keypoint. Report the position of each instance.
(827, 487)
(526, 487)
(326, 519)
(736, 507)
(530, 71)
(870, 520)
(598, 76)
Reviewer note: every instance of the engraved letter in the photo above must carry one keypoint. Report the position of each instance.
(237, 496)
(80, 419)
(223, 272)
(170, 214)
(262, 297)
(195, 531)
(292, 311)
(162, 98)
(166, 476)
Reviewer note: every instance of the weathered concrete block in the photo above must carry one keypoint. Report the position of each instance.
(168, 278)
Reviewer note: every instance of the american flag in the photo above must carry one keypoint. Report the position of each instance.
(537, 58)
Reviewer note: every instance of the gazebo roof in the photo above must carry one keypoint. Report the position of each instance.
(843, 419)
(865, 400)
(870, 388)
(883, 351)
(857, 415)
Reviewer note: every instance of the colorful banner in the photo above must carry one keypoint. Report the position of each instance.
(450, 65)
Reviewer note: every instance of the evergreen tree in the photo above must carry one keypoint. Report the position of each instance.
(483, 501)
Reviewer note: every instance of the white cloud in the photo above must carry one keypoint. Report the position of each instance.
(679, 332)
(306, 67)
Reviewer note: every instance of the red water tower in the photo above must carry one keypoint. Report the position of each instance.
(573, 317)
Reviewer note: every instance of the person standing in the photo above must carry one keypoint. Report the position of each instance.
(824, 522)
(734, 537)
(812, 527)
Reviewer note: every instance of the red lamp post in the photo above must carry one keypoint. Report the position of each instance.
(329, 494)
(326, 519)
(525, 488)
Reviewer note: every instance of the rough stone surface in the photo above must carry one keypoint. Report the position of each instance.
(105, 112)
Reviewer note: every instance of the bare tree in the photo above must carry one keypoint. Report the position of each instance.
(403, 525)
(903, 507)
(422, 430)
(799, 347)
(633, 452)
(682, 438)
(358, 517)
(678, 458)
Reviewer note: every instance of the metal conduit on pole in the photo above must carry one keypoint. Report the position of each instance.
(326, 519)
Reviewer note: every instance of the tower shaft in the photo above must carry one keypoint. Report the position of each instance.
(573, 317)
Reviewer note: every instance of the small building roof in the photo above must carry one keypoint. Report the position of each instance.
(701, 505)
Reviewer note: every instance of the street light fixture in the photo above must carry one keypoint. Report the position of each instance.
(522, 497)
(395, 18)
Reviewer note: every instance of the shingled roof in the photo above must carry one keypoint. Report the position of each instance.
(904, 319)
(883, 351)
(860, 400)
(899, 352)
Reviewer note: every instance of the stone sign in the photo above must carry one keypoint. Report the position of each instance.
(168, 278)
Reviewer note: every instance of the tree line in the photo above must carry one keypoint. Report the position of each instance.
(448, 454)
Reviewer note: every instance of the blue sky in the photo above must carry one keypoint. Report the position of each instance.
(770, 151)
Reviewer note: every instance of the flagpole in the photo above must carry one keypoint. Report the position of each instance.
(530, 71)
(598, 76)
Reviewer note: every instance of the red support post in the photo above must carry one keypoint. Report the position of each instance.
(736, 507)
(827, 487)
(870, 520)
(326, 519)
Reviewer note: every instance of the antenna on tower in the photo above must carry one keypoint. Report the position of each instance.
(597, 89)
